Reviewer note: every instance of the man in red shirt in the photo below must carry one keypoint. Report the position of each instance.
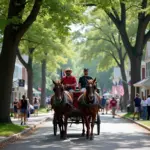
(69, 81)
(113, 104)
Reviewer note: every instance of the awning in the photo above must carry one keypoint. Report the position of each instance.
(143, 83)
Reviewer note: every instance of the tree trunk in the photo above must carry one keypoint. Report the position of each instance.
(135, 76)
(43, 86)
(125, 86)
(7, 63)
(30, 85)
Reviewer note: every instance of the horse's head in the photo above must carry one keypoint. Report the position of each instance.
(90, 89)
(58, 90)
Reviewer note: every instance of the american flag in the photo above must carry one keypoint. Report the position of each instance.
(62, 74)
(120, 88)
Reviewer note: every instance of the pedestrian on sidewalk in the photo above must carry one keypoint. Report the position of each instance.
(15, 103)
(103, 104)
(36, 106)
(113, 104)
(148, 107)
(28, 108)
(137, 107)
(144, 108)
(24, 107)
(19, 109)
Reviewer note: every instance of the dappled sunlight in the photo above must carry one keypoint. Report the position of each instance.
(115, 134)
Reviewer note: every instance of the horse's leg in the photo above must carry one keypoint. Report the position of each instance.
(92, 125)
(65, 126)
(87, 126)
(83, 130)
(61, 126)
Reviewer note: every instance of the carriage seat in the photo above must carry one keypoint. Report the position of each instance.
(76, 95)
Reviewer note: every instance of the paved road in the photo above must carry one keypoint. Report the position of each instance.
(116, 134)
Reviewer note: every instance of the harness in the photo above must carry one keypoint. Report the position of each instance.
(83, 102)
(63, 102)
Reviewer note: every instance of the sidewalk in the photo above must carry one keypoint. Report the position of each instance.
(32, 121)
(138, 122)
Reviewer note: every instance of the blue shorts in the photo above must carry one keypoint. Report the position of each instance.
(15, 110)
(23, 110)
(36, 107)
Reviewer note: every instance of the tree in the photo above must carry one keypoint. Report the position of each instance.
(120, 12)
(12, 35)
(17, 24)
(106, 46)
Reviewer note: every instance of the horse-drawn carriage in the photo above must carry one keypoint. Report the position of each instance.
(75, 116)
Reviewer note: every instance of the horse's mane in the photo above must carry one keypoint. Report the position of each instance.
(58, 81)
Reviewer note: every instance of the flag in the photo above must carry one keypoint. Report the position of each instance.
(39, 89)
(62, 74)
(120, 88)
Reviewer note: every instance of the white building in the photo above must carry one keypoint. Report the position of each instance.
(144, 84)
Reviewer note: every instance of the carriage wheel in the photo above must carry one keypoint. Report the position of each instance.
(98, 124)
(55, 126)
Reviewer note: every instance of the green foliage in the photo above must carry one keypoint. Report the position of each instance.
(10, 129)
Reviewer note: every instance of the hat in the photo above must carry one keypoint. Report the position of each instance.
(68, 69)
(86, 69)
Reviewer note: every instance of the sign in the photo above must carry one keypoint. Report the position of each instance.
(21, 83)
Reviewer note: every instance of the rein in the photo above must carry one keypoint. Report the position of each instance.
(63, 101)
(84, 103)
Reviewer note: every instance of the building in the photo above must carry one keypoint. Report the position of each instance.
(144, 84)
(19, 73)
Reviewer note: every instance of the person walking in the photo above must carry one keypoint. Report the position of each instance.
(137, 107)
(24, 107)
(15, 103)
(113, 104)
(144, 108)
(36, 106)
(148, 107)
(103, 104)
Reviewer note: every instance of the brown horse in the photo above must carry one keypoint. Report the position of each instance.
(89, 104)
(61, 102)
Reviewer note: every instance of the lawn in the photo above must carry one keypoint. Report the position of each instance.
(128, 115)
(144, 122)
(43, 110)
(10, 129)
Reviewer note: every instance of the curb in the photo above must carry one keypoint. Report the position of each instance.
(17, 136)
(129, 119)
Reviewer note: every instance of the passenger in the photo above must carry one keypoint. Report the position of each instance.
(83, 80)
(69, 81)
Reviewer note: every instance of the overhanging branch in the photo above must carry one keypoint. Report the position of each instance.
(31, 18)
(21, 59)
(146, 37)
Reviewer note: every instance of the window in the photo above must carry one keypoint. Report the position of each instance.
(18, 71)
(148, 69)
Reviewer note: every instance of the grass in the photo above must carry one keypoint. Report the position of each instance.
(42, 110)
(10, 129)
(128, 115)
(144, 122)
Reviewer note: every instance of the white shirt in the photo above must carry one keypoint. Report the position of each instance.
(144, 103)
(148, 101)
